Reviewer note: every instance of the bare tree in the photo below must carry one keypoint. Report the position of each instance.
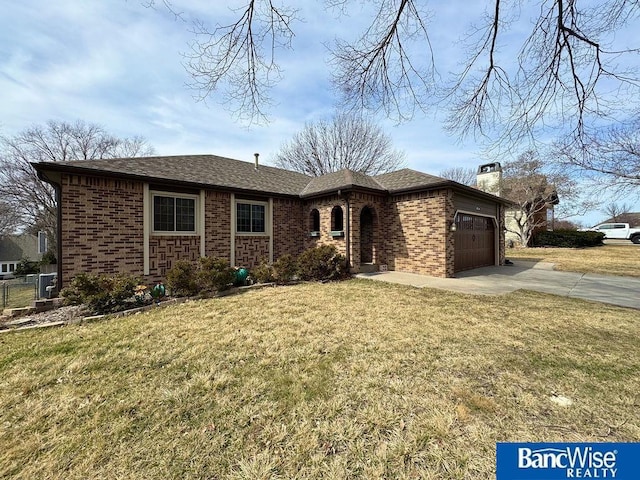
(9, 220)
(558, 69)
(345, 141)
(463, 175)
(32, 200)
(616, 212)
(535, 189)
(609, 159)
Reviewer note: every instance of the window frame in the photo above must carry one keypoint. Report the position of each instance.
(175, 196)
(252, 203)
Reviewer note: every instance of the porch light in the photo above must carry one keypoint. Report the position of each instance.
(453, 227)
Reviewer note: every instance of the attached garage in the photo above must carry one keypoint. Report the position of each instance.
(475, 242)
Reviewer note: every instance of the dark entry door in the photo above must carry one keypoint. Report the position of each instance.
(366, 235)
(474, 242)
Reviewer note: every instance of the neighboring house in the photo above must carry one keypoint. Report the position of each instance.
(14, 248)
(489, 179)
(141, 215)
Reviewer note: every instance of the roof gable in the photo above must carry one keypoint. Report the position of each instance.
(342, 179)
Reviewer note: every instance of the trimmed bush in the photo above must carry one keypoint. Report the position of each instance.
(214, 274)
(181, 279)
(285, 268)
(568, 239)
(263, 273)
(322, 263)
(102, 293)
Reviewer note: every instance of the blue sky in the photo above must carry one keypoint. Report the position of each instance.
(119, 64)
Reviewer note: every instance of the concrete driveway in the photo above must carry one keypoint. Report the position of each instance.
(622, 291)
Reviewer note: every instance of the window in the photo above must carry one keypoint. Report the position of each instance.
(315, 220)
(43, 243)
(174, 213)
(251, 217)
(337, 223)
(5, 268)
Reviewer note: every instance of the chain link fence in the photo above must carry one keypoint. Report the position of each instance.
(18, 292)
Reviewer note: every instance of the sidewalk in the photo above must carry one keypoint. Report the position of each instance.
(540, 277)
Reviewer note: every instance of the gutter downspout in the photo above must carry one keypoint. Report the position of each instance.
(57, 187)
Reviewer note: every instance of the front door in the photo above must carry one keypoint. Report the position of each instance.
(366, 235)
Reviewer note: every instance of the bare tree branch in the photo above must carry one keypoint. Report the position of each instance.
(534, 186)
(346, 141)
(33, 201)
(465, 176)
(381, 71)
(608, 158)
(238, 59)
(560, 70)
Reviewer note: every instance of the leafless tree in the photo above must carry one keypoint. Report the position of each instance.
(534, 189)
(345, 141)
(466, 176)
(32, 200)
(558, 69)
(9, 220)
(617, 212)
(609, 159)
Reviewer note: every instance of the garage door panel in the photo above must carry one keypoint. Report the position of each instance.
(474, 242)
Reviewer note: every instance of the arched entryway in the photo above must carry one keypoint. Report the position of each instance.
(367, 235)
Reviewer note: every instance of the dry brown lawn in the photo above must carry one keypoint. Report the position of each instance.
(618, 259)
(349, 380)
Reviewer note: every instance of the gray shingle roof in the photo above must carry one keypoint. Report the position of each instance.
(214, 171)
(16, 247)
(407, 179)
(341, 179)
(206, 170)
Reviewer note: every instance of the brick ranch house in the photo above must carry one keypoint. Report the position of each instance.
(140, 215)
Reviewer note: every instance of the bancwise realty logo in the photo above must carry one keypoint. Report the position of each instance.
(551, 461)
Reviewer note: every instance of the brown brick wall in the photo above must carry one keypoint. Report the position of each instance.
(218, 225)
(251, 250)
(165, 250)
(101, 229)
(417, 238)
(289, 227)
(324, 206)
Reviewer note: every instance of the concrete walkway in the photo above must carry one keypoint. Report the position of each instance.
(622, 291)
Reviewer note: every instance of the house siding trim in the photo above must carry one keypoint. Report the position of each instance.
(146, 227)
(202, 222)
(232, 226)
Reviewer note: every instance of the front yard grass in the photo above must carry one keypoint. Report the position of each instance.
(356, 379)
(606, 260)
